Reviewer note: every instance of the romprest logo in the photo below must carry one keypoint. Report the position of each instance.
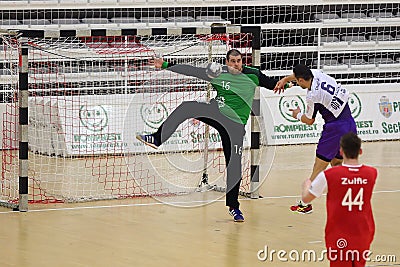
(94, 118)
(355, 105)
(290, 102)
(153, 114)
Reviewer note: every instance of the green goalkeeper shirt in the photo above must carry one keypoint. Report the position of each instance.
(235, 92)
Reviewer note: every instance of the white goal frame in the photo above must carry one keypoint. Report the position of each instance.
(21, 203)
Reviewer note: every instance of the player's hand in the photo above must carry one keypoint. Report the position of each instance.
(281, 85)
(156, 61)
(285, 82)
(295, 112)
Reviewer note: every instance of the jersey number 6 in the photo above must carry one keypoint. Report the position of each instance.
(327, 87)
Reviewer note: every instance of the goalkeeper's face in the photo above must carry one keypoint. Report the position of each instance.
(235, 62)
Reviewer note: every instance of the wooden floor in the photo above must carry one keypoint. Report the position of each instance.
(145, 232)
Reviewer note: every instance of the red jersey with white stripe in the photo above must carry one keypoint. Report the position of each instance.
(349, 212)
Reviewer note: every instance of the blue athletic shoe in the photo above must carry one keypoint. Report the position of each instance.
(236, 214)
(148, 139)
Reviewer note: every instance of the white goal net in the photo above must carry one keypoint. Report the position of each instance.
(90, 96)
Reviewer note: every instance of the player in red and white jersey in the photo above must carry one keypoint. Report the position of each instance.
(350, 223)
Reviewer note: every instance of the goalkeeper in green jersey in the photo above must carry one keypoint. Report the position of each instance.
(228, 112)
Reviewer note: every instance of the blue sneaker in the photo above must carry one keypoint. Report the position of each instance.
(236, 214)
(148, 139)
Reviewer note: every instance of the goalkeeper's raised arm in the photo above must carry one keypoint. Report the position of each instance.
(184, 69)
(215, 72)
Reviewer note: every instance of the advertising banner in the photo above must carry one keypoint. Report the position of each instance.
(107, 124)
(375, 108)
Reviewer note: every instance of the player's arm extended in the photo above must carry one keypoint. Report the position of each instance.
(306, 196)
(265, 81)
(297, 114)
(272, 84)
(314, 189)
(285, 82)
(184, 69)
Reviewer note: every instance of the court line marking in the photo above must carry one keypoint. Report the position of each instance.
(315, 242)
(394, 264)
(170, 203)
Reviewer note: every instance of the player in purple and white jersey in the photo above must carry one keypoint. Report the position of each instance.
(326, 96)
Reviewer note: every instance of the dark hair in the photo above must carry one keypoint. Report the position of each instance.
(351, 144)
(302, 71)
(233, 52)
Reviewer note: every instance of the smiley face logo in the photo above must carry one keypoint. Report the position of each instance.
(290, 102)
(355, 105)
(153, 114)
(94, 118)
